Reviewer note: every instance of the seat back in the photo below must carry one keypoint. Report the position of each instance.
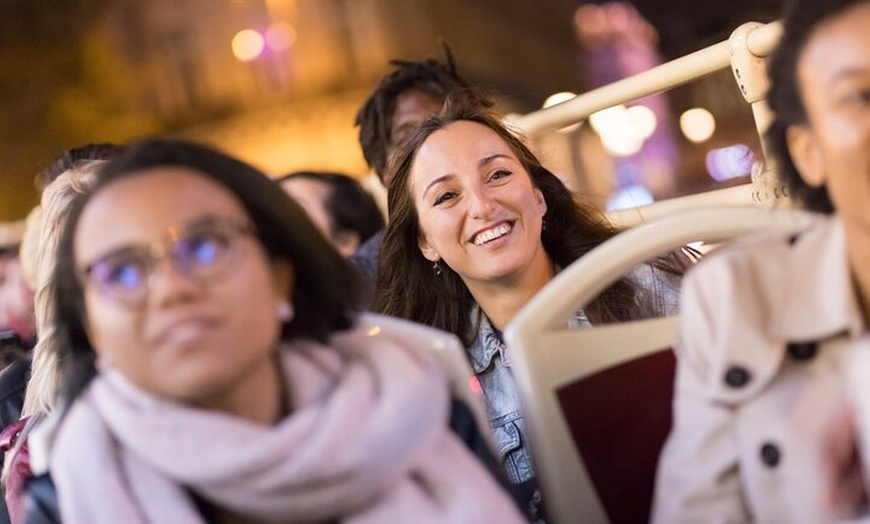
(447, 351)
(597, 401)
(621, 449)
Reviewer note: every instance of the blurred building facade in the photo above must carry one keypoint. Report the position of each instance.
(289, 103)
(285, 97)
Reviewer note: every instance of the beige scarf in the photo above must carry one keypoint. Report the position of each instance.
(367, 442)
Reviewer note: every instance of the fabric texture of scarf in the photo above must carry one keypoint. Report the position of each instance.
(367, 442)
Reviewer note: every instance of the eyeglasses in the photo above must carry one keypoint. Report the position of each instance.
(202, 251)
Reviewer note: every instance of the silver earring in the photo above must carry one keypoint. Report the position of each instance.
(436, 267)
(285, 310)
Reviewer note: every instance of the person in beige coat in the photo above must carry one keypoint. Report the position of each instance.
(766, 325)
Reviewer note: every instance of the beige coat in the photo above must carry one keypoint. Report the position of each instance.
(763, 330)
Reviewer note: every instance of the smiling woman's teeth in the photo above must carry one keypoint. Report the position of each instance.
(492, 234)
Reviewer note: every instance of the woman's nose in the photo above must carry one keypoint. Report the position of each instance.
(168, 282)
(482, 201)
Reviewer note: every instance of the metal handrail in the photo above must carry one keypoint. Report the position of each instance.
(760, 42)
(745, 52)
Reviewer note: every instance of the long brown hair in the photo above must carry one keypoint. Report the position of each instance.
(408, 287)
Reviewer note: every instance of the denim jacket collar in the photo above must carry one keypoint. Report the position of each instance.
(487, 343)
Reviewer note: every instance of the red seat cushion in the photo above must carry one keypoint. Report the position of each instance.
(620, 418)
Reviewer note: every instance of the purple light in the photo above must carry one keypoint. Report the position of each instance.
(730, 162)
(628, 197)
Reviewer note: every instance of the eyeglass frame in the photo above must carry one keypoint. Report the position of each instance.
(156, 251)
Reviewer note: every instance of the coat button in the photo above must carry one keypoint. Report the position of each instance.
(737, 376)
(802, 350)
(770, 454)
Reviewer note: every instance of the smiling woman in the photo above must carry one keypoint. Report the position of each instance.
(477, 227)
(216, 363)
(479, 212)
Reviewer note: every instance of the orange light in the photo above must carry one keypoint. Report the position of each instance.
(697, 124)
(248, 45)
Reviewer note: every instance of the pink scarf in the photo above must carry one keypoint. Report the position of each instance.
(367, 442)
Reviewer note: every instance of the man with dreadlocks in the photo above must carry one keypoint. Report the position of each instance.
(409, 94)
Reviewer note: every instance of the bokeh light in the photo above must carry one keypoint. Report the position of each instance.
(280, 36)
(628, 197)
(558, 98)
(248, 45)
(642, 119)
(697, 124)
(730, 162)
(623, 130)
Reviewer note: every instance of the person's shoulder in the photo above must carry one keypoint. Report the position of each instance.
(14, 378)
(13, 382)
(409, 333)
(369, 249)
(762, 251)
(40, 504)
(365, 258)
(730, 300)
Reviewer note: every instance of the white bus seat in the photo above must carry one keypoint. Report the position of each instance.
(447, 351)
(597, 401)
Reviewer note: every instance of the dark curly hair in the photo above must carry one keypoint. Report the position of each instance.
(800, 20)
(375, 117)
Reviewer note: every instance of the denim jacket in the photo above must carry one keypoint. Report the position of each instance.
(490, 360)
(491, 364)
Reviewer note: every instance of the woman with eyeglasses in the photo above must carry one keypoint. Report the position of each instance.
(217, 369)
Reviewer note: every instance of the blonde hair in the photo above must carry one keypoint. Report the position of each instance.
(41, 395)
(29, 248)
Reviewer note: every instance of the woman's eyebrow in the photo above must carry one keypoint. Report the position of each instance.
(848, 74)
(485, 161)
(438, 180)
